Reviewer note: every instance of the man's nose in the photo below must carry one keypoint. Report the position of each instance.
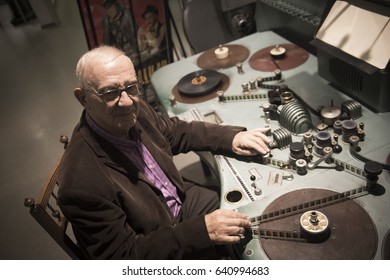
(125, 99)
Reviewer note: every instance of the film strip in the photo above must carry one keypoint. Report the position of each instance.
(238, 178)
(232, 98)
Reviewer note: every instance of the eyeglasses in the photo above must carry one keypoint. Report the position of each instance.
(113, 95)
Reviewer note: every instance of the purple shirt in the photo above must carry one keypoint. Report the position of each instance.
(139, 155)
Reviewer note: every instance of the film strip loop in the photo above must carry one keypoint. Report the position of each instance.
(349, 168)
(310, 205)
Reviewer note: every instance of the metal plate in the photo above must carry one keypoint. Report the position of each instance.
(263, 61)
(208, 59)
(353, 234)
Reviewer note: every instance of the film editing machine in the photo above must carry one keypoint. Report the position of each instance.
(323, 192)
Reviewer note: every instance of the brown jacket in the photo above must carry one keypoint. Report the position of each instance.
(114, 211)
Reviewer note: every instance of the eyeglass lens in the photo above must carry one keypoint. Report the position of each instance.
(114, 94)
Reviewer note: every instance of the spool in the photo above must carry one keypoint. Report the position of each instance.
(323, 139)
(199, 83)
(330, 114)
(307, 138)
(297, 151)
(277, 52)
(315, 225)
(221, 52)
(354, 142)
(286, 97)
(200, 95)
(301, 165)
(349, 128)
(337, 127)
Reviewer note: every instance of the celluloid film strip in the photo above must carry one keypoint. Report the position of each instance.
(246, 97)
(280, 234)
(239, 178)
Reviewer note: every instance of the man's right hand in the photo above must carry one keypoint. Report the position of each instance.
(226, 226)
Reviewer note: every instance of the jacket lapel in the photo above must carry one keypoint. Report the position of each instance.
(109, 155)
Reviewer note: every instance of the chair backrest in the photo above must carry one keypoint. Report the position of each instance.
(46, 212)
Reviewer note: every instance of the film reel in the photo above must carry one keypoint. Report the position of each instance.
(199, 83)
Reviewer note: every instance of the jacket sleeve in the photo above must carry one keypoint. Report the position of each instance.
(101, 228)
(196, 135)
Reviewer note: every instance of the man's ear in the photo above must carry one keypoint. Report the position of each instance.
(80, 95)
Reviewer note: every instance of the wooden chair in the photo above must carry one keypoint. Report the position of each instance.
(46, 212)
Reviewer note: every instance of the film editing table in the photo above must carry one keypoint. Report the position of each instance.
(323, 192)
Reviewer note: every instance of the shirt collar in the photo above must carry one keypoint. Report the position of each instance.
(133, 133)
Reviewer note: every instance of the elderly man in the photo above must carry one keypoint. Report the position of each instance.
(119, 186)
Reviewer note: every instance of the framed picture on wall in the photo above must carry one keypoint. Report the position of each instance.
(138, 27)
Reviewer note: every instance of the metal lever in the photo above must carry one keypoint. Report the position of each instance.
(288, 177)
(328, 153)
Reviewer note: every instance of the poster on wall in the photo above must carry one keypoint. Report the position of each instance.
(138, 27)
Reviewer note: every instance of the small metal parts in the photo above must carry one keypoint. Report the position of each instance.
(327, 151)
(172, 99)
(220, 94)
(276, 178)
(257, 189)
(372, 170)
(239, 68)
